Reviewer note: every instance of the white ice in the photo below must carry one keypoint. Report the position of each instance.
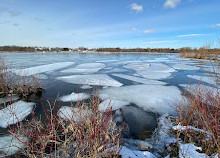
(185, 67)
(10, 144)
(85, 68)
(115, 70)
(8, 99)
(114, 104)
(40, 69)
(74, 97)
(140, 80)
(137, 66)
(14, 113)
(71, 113)
(155, 98)
(86, 87)
(190, 151)
(128, 153)
(95, 79)
(207, 79)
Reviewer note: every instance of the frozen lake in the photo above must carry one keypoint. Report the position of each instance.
(139, 87)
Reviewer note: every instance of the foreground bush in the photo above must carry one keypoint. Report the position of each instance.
(199, 120)
(87, 133)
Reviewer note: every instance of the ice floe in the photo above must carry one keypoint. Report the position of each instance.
(139, 80)
(74, 97)
(95, 79)
(85, 68)
(185, 67)
(191, 151)
(10, 144)
(71, 113)
(14, 113)
(40, 69)
(128, 153)
(207, 79)
(155, 98)
(138, 66)
(8, 98)
(112, 104)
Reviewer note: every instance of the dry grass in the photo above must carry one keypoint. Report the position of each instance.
(93, 134)
(13, 84)
(202, 112)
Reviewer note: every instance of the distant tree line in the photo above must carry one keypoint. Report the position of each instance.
(117, 49)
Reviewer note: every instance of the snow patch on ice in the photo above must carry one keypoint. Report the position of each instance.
(96, 79)
(74, 97)
(40, 69)
(114, 104)
(85, 68)
(155, 98)
(10, 145)
(14, 113)
(139, 80)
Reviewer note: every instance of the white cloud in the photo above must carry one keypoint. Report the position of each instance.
(190, 35)
(133, 29)
(149, 31)
(159, 42)
(136, 7)
(216, 26)
(171, 3)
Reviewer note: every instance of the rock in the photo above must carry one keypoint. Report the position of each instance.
(144, 146)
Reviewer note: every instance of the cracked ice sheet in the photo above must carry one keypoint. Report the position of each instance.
(128, 153)
(14, 113)
(139, 80)
(207, 79)
(10, 145)
(74, 97)
(157, 71)
(155, 98)
(96, 79)
(185, 67)
(85, 68)
(40, 69)
(137, 66)
(114, 104)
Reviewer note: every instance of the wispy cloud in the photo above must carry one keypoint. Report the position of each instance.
(190, 35)
(215, 26)
(136, 7)
(149, 31)
(133, 29)
(159, 42)
(12, 13)
(16, 24)
(171, 3)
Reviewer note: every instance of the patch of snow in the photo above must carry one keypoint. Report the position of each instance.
(155, 98)
(8, 98)
(96, 79)
(86, 87)
(185, 67)
(85, 68)
(75, 114)
(207, 79)
(10, 145)
(139, 80)
(128, 153)
(190, 151)
(114, 104)
(74, 97)
(40, 69)
(14, 113)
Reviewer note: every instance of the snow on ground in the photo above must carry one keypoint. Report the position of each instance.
(86, 87)
(139, 80)
(40, 69)
(190, 151)
(114, 104)
(128, 153)
(10, 145)
(157, 71)
(14, 113)
(155, 98)
(207, 79)
(85, 68)
(185, 67)
(8, 99)
(71, 113)
(96, 79)
(74, 97)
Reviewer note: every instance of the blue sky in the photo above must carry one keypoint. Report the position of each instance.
(110, 23)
